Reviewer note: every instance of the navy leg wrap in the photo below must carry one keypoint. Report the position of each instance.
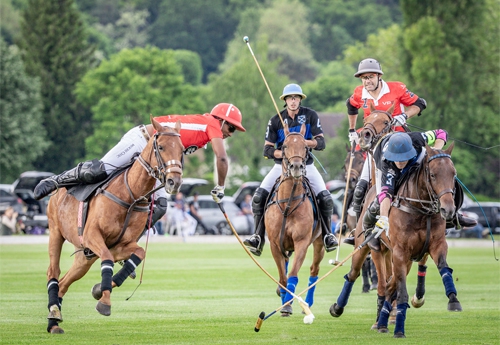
(106, 275)
(401, 318)
(282, 295)
(380, 303)
(291, 284)
(345, 293)
(129, 266)
(420, 290)
(383, 320)
(53, 291)
(310, 292)
(446, 275)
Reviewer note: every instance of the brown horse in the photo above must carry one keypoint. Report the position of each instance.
(115, 221)
(289, 220)
(422, 205)
(377, 125)
(352, 170)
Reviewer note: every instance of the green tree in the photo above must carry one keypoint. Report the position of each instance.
(55, 50)
(22, 139)
(452, 54)
(242, 85)
(190, 63)
(125, 90)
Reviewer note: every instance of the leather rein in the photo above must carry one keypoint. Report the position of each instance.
(158, 172)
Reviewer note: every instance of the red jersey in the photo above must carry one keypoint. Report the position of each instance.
(196, 130)
(392, 92)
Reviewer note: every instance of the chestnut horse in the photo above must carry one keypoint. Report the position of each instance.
(115, 221)
(289, 220)
(356, 167)
(376, 126)
(421, 207)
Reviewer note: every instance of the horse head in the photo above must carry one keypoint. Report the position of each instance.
(295, 152)
(168, 156)
(440, 174)
(375, 126)
(358, 160)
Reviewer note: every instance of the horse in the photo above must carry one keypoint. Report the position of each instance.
(423, 204)
(353, 166)
(376, 125)
(289, 220)
(116, 217)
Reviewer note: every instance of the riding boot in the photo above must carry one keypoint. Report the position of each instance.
(255, 243)
(159, 209)
(357, 204)
(325, 203)
(369, 221)
(85, 172)
(460, 221)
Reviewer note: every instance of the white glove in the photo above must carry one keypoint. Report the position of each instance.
(399, 120)
(217, 193)
(353, 136)
(381, 225)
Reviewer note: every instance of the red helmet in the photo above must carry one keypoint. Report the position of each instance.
(228, 112)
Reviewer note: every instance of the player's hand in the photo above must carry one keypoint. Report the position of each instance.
(399, 120)
(381, 226)
(217, 193)
(353, 137)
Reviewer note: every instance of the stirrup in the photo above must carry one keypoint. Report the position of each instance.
(254, 248)
(333, 246)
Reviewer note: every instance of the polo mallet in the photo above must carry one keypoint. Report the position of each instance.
(263, 316)
(303, 304)
(247, 41)
(344, 204)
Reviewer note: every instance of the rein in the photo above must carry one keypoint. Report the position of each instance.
(377, 137)
(154, 172)
(426, 207)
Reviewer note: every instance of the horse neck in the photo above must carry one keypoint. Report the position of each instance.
(417, 185)
(138, 179)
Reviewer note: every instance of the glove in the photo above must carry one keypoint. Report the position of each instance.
(217, 193)
(399, 120)
(382, 225)
(353, 137)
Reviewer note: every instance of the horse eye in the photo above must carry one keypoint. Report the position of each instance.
(160, 148)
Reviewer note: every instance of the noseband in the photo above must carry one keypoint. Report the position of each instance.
(443, 192)
(163, 168)
(373, 131)
(286, 160)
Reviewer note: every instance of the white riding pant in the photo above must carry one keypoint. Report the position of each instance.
(131, 143)
(312, 174)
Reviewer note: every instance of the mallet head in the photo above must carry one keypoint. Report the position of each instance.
(259, 321)
(246, 39)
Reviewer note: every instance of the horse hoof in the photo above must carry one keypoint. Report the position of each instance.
(103, 309)
(56, 330)
(417, 303)
(374, 326)
(399, 335)
(286, 311)
(454, 306)
(96, 291)
(55, 313)
(335, 310)
(383, 330)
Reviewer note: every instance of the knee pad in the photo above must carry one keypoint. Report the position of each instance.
(259, 201)
(360, 190)
(371, 214)
(161, 203)
(325, 201)
(92, 171)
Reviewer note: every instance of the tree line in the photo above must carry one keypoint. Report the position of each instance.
(76, 75)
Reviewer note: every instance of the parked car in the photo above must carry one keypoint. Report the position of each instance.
(246, 188)
(187, 187)
(491, 210)
(212, 216)
(29, 179)
(7, 198)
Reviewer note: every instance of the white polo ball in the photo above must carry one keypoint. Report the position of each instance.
(308, 319)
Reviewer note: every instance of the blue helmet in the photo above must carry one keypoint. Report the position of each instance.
(292, 89)
(399, 148)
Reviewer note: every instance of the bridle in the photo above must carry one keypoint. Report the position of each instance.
(373, 131)
(163, 168)
(286, 160)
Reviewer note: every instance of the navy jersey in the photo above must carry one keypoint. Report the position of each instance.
(276, 135)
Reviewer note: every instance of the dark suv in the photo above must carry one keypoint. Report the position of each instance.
(24, 186)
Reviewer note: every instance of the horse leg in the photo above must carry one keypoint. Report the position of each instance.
(53, 272)
(400, 272)
(380, 259)
(282, 266)
(446, 275)
(293, 279)
(128, 267)
(418, 298)
(337, 308)
(365, 272)
(318, 256)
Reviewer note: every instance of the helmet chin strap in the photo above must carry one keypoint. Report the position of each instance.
(378, 82)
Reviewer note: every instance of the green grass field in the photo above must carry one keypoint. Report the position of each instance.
(194, 293)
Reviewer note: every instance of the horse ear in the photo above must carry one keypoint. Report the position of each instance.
(391, 109)
(430, 151)
(156, 124)
(303, 129)
(285, 129)
(450, 148)
(178, 126)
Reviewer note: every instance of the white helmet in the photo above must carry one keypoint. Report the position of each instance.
(292, 89)
(367, 66)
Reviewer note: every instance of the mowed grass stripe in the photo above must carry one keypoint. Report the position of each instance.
(195, 293)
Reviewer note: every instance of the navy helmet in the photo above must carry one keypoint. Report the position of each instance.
(399, 148)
